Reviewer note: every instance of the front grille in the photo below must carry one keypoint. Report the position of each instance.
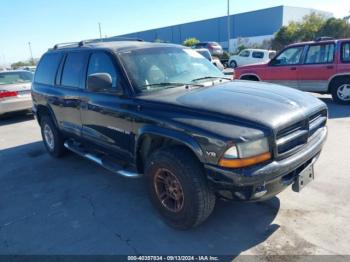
(292, 138)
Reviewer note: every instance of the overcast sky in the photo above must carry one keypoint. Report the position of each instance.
(44, 23)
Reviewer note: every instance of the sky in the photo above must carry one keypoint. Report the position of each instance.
(44, 23)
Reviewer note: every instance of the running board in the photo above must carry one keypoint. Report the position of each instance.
(106, 163)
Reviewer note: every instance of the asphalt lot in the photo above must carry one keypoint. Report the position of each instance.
(72, 206)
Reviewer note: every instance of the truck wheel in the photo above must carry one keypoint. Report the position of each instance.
(233, 64)
(178, 188)
(52, 138)
(340, 91)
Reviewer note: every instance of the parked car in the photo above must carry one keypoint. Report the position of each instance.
(321, 66)
(28, 68)
(214, 48)
(15, 91)
(214, 60)
(165, 112)
(251, 56)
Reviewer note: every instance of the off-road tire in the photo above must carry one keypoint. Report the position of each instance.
(199, 200)
(58, 149)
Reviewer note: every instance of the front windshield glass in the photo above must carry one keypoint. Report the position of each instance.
(153, 69)
(9, 78)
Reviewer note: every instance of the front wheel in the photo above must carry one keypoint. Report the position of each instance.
(178, 188)
(340, 91)
(233, 64)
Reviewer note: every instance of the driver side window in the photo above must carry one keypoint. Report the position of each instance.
(100, 62)
(290, 56)
(245, 53)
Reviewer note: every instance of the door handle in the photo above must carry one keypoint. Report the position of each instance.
(293, 68)
(330, 67)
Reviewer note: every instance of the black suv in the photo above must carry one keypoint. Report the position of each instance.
(165, 112)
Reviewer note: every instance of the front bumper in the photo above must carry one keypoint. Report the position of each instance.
(15, 104)
(247, 184)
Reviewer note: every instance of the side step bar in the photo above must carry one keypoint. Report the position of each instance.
(107, 164)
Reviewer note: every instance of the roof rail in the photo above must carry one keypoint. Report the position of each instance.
(324, 38)
(97, 40)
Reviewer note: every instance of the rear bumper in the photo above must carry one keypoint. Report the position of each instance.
(272, 177)
(15, 104)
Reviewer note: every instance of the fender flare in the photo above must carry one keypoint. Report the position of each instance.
(177, 136)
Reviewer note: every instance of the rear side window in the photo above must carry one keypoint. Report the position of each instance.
(47, 69)
(102, 63)
(320, 54)
(345, 53)
(258, 55)
(73, 69)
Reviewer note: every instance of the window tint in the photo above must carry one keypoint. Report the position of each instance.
(345, 54)
(245, 53)
(73, 68)
(258, 55)
(320, 54)
(9, 78)
(290, 56)
(47, 69)
(102, 63)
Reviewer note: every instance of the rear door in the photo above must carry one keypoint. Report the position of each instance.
(104, 114)
(66, 100)
(318, 67)
(283, 69)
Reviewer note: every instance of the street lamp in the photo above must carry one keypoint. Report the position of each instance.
(228, 26)
(31, 53)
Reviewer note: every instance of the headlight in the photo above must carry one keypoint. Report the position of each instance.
(246, 154)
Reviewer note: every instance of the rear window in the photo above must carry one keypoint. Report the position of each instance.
(47, 69)
(320, 54)
(345, 54)
(258, 55)
(73, 68)
(10, 78)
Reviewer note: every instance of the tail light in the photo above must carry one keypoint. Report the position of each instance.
(5, 94)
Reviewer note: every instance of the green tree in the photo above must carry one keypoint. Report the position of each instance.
(190, 42)
(337, 28)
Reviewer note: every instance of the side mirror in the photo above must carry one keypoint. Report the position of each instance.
(99, 82)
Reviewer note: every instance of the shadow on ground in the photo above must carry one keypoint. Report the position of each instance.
(72, 206)
(336, 110)
(17, 117)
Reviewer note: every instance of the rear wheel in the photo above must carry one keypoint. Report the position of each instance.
(178, 188)
(52, 138)
(340, 90)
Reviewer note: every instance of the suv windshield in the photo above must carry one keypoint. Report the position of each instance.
(9, 78)
(152, 69)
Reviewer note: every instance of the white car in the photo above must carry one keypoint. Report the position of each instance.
(251, 56)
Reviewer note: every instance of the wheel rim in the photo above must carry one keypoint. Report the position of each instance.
(169, 190)
(49, 138)
(233, 64)
(343, 92)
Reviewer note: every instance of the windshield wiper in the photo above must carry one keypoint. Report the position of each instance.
(173, 84)
(211, 77)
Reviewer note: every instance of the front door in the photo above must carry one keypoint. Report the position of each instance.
(284, 68)
(105, 112)
(318, 67)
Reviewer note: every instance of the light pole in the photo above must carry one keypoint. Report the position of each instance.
(99, 28)
(228, 26)
(31, 53)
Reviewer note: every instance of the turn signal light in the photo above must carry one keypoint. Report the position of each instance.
(244, 162)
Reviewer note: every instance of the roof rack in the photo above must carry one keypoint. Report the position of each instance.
(324, 38)
(97, 40)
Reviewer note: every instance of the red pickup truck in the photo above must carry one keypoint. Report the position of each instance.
(321, 66)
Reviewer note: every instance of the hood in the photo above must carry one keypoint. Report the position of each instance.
(271, 105)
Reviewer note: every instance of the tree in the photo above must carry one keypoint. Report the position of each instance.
(24, 63)
(337, 28)
(190, 42)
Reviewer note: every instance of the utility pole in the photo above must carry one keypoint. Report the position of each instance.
(228, 26)
(99, 28)
(31, 53)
